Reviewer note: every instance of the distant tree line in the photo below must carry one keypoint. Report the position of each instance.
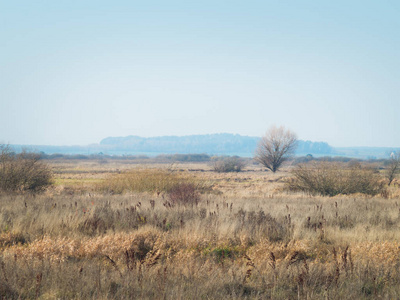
(184, 157)
(98, 156)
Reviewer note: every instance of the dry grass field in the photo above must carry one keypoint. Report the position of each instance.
(119, 230)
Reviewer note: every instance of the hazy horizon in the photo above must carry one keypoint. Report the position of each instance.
(74, 72)
(189, 135)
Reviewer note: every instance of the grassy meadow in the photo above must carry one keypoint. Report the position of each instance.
(121, 230)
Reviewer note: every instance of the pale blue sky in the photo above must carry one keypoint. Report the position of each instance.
(74, 72)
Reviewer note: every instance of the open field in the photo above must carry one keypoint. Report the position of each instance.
(247, 238)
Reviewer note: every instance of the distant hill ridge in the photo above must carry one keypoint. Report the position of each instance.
(220, 143)
(211, 144)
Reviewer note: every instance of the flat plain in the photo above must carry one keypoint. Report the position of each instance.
(112, 230)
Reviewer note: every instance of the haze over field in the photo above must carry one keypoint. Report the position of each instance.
(75, 72)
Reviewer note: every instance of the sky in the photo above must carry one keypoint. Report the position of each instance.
(75, 72)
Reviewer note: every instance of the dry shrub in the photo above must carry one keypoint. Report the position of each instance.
(227, 164)
(22, 172)
(330, 179)
(153, 181)
(184, 194)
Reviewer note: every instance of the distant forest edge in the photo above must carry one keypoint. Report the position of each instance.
(210, 144)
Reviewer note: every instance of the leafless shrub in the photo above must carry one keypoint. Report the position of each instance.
(22, 172)
(227, 164)
(330, 179)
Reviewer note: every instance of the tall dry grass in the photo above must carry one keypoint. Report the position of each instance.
(149, 180)
(247, 243)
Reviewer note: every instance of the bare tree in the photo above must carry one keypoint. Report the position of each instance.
(275, 147)
(393, 167)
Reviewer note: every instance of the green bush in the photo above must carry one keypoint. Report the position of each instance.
(330, 179)
(23, 172)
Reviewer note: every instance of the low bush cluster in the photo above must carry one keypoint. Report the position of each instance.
(330, 179)
(182, 158)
